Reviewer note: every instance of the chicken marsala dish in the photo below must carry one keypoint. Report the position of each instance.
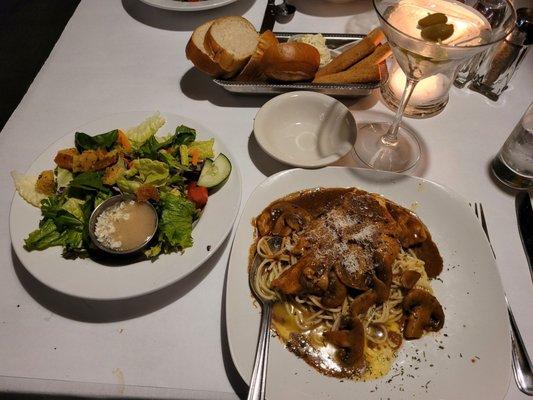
(350, 272)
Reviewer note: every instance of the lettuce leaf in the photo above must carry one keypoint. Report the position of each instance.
(75, 207)
(25, 185)
(91, 181)
(58, 228)
(171, 161)
(175, 223)
(105, 140)
(63, 177)
(205, 148)
(145, 130)
(182, 136)
(143, 172)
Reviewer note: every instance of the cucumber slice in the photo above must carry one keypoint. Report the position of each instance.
(214, 172)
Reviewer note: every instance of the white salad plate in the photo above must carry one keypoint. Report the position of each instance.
(305, 129)
(89, 279)
(176, 5)
(468, 359)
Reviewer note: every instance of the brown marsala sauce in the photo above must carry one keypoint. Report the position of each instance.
(310, 345)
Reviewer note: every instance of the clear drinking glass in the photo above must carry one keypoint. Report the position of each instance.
(392, 147)
(494, 13)
(502, 61)
(513, 165)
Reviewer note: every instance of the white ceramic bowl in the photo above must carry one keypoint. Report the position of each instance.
(305, 129)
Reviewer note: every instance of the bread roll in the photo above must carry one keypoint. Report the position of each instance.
(196, 52)
(291, 62)
(253, 70)
(231, 41)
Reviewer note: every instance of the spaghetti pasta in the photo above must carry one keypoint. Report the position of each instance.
(319, 332)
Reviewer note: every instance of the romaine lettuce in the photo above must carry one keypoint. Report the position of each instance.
(204, 148)
(145, 130)
(143, 172)
(175, 223)
(63, 177)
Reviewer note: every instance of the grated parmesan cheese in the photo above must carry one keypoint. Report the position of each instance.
(105, 228)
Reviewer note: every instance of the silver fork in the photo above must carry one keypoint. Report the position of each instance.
(522, 370)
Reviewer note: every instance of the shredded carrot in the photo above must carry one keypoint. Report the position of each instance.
(123, 140)
(195, 156)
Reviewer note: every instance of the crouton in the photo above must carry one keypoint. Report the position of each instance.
(147, 192)
(93, 160)
(65, 157)
(112, 173)
(46, 183)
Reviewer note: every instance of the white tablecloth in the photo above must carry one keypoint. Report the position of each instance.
(121, 56)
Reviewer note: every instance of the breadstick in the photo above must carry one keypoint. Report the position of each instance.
(369, 73)
(354, 54)
(379, 55)
(366, 70)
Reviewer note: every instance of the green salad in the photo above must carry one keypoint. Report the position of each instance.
(173, 172)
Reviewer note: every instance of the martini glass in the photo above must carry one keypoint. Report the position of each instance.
(393, 147)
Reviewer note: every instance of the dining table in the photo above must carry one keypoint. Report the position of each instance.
(120, 56)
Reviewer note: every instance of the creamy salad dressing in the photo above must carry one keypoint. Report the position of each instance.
(126, 226)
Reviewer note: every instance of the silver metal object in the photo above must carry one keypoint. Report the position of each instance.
(513, 165)
(333, 41)
(524, 215)
(104, 206)
(284, 12)
(521, 363)
(259, 373)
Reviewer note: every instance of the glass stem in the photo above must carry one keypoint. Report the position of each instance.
(391, 138)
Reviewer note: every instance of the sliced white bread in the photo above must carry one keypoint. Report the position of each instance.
(253, 70)
(196, 52)
(231, 41)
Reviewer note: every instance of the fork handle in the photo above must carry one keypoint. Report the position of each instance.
(258, 380)
(521, 362)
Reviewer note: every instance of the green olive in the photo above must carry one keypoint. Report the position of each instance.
(436, 33)
(432, 19)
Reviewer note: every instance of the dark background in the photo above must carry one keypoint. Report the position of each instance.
(29, 30)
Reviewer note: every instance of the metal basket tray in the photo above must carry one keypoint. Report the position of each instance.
(333, 41)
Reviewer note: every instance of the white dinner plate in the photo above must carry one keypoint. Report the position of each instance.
(89, 279)
(187, 6)
(468, 359)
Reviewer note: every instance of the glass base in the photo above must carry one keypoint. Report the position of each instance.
(377, 154)
(509, 176)
(418, 111)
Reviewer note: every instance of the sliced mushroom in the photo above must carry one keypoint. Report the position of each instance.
(429, 253)
(308, 275)
(410, 278)
(381, 289)
(281, 219)
(351, 343)
(363, 302)
(424, 313)
(355, 270)
(336, 292)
